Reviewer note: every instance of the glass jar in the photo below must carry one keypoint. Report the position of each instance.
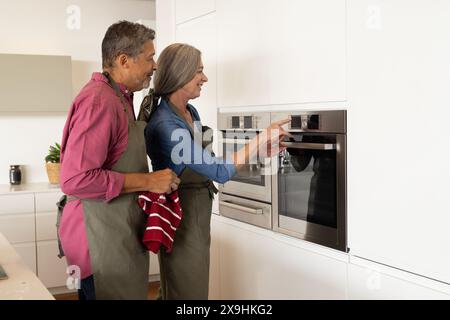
(15, 175)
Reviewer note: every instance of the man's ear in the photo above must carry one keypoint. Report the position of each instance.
(122, 60)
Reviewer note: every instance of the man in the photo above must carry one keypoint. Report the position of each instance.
(104, 164)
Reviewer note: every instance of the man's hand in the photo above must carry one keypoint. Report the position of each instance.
(162, 181)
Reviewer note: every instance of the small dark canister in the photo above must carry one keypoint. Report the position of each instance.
(15, 175)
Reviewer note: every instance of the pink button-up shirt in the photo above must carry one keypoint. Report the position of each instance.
(94, 138)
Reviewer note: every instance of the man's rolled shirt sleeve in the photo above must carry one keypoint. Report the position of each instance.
(86, 157)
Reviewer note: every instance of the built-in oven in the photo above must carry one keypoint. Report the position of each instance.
(248, 195)
(309, 189)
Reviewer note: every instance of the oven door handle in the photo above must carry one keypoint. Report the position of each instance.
(240, 207)
(307, 145)
(236, 141)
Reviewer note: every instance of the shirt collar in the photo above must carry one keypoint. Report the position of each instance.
(172, 108)
(98, 76)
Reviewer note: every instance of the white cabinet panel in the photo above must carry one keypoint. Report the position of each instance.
(18, 228)
(51, 269)
(27, 251)
(154, 264)
(398, 173)
(214, 264)
(46, 212)
(46, 226)
(201, 33)
(253, 265)
(189, 9)
(46, 202)
(370, 283)
(16, 203)
(280, 52)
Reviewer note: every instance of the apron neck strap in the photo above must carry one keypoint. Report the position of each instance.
(119, 93)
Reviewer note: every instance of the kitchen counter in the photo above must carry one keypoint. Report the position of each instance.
(29, 188)
(22, 283)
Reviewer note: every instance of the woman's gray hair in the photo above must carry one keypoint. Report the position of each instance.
(177, 65)
(124, 37)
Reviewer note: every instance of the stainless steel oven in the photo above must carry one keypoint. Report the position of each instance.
(309, 190)
(248, 195)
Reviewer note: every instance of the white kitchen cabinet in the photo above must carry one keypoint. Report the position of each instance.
(370, 281)
(280, 52)
(201, 33)
(51, 269)
(186, 10)
(46, 201)
(16, 203)
(214, 264)
(46, 226)
(27, 251)
(398, 173)
(46, 212)
(18, 228)
(256, 265)
(17, 224)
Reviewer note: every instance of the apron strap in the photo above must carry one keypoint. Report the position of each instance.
(60, 205)
(119, 93)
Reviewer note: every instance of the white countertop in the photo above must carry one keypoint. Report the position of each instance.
(22, 283)
(29, 188)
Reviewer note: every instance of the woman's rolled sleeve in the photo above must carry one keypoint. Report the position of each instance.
(199, 159)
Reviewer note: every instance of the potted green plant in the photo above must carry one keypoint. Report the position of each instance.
(52, 163)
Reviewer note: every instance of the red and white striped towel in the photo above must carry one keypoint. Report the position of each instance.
(164, 217)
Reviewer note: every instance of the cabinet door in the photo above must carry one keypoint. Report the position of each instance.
(46, 201)
(370, 283)
(201, 33)
(27, 251)
(398, 168)
(16, 203)
(18, 228)
(214, 264)
(46, 212)
(51, 269)
(46, 226)
(254, 265)
(186, 10)
(280, 52)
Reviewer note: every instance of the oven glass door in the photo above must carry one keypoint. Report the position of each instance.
(307, 180)
(253, 180)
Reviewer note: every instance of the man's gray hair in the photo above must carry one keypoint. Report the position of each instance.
(124, 37)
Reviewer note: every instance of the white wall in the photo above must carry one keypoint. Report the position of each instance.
(41, 27)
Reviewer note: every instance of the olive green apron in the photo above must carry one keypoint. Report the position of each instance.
(185, 271)
(119, 260)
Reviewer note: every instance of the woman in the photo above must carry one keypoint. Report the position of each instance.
(179, 78)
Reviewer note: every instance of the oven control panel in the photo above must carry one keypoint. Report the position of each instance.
(327, 121)
(304, 122)
(244, 121)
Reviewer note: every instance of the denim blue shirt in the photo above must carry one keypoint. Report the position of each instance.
(170, 144)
